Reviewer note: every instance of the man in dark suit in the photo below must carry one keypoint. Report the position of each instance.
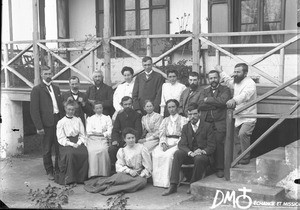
(190, 94)
(125, 118)
(81, 99)
(147, 86)
(197, 144)
(46, 109)
(213, 110)
(101, 92)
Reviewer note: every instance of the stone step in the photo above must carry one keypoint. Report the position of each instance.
(272, 167)
(212, 187)
(244, 173)
(292, 154)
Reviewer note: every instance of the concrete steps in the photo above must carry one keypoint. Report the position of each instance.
(208, 188)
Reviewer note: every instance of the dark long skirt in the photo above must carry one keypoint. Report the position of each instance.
(73, 165)
(119, 182)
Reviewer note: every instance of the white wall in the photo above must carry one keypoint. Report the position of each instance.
(179, 7)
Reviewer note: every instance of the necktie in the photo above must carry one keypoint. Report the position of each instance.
(48, 86)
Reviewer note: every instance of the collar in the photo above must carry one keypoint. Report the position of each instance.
(98, 115)
(149, 72)
(150, 115)
(215, 87)
(174, 118)
(74, 93)
(197, 124)
(46, 83)
(69, 117)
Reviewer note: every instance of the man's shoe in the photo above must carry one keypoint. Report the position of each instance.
(244, 161)
(50, 176)
(172, 189)
(220, 173)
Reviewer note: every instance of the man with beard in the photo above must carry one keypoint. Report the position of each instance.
(46, 110)
(190, 94)
(244, 91)
(147, 86)
(81, 99)
(213, 110)
(125, 118)
(101, 92)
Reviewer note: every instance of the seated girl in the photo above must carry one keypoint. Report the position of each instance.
(150, 123)
(98, 129)
(73, 159)
(133, 167)
(169, 136)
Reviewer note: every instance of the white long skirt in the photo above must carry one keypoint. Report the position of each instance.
(99, 161)
(162, 164)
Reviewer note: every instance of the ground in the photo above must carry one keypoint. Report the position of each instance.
(19, 174)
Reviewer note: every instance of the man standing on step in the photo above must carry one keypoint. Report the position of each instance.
(197, 145)
(213, 110)
(147, 86)
(46, 110)
(84, 107)
(244, 89)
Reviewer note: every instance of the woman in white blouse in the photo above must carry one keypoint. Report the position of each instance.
(170, 90)
(169, 136)
(124, 89)
(73, 162)
(150, 122)
(133, 167)
(98, 129)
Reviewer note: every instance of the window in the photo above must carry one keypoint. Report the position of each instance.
(258, 15)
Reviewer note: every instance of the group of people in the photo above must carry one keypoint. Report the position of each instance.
(115, 141)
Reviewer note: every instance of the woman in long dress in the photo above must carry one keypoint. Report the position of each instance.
(170, 90)
(73, 160)
(133, 167)
(98, 131)
(150, 123)
(169, 136)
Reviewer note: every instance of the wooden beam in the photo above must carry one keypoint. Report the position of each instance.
(281, 65)
(272, 116)
(6, 84)
(196, 32)
(218, 57)
(255, 69)
(36, 57)
(183, 42)
(148, 43)
(265, 134)
(20, 76)
(271, 52)
(249, 45)
(134, 56)
(228, 145)
(269, 93)
(106, 38)
(19, 54)
(11, 33)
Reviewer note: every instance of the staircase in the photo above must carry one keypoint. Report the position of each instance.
(260, 176)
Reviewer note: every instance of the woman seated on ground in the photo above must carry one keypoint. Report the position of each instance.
(150, 123)
(98, 129)
(73, 160)
(133, 167)
(169, 136)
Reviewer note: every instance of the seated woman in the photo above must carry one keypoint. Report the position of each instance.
(133, 168)
(73, 160)
(150, 123)
(98, 129)
(169, 136)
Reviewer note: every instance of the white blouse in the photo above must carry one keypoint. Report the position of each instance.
(99, 124)
(170, 91)
(70, 127)
(122, 90)
(136, 158)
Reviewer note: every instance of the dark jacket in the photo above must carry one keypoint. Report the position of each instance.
(204, 138)
(87, 109)
(131, 119)
(41, 107)
(215, 105)
(147, 89)
(186, 98)
(104, 94)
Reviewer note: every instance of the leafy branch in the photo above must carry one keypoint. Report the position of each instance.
(118, 202)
